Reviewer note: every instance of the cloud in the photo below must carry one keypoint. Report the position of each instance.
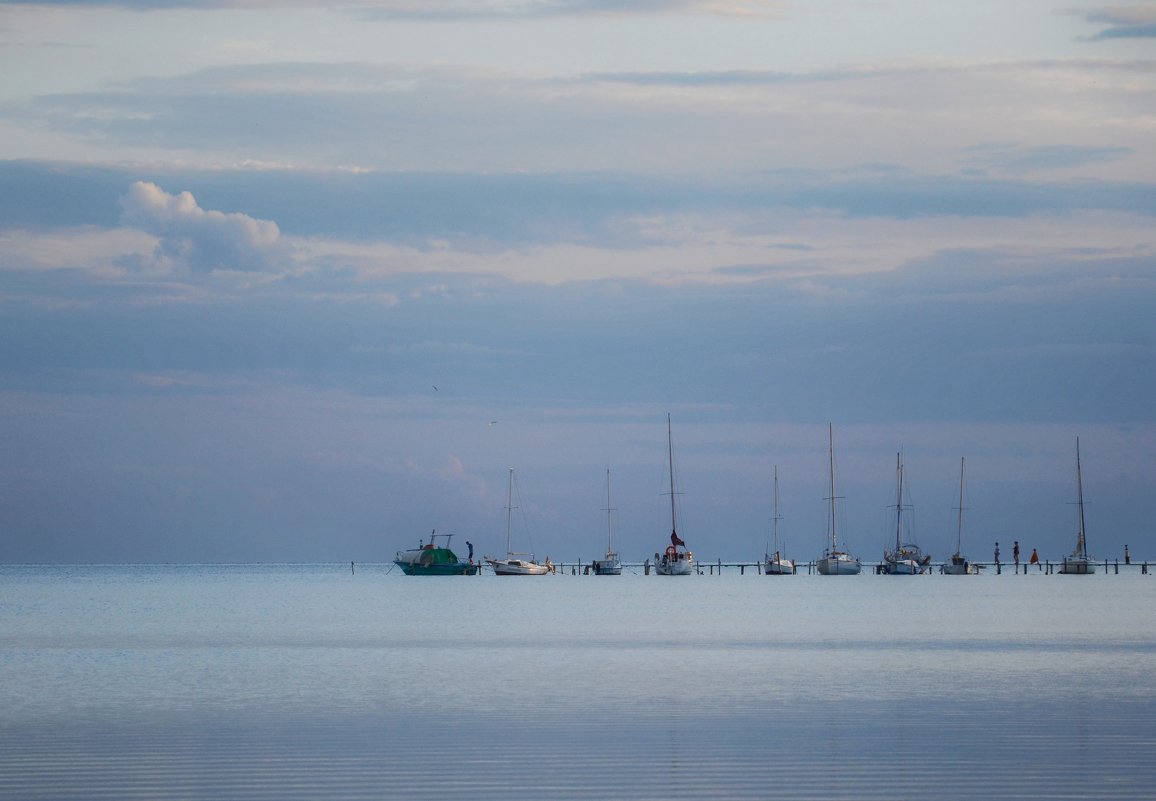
(479, 120)
(1015, 158)
(459, 9)
(202, 241)
(1124, 22)
(401, 236)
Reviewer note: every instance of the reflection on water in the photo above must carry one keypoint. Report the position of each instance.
(308, 682)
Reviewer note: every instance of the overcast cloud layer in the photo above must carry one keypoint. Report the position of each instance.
(280, 282)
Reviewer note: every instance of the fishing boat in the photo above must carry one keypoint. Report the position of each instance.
(958, 565)
(906, 558)
(608, 565)
(676, 560)
(835, 561)
(431, 559)
(775, 564)
(1078, 562)
(514, 564)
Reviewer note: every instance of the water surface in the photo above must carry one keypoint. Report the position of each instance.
(286, 682)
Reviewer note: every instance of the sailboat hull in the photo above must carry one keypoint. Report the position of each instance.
(839, 564)
(680, 565)
(908, 561)
(1077, 566)
(779, 567)
(959, 566)
(517, 567)
(607, 567)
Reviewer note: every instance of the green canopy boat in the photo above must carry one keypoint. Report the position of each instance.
(431, 559)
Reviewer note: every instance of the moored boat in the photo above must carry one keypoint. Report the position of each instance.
(431, 559)
(958, 565)
(514, 564)
(835, 561)
(1079, 562)
(676, 560)
(609, 565)
(906, 558)
(776, 564)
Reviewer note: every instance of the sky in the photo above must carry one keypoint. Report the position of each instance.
(282, 282)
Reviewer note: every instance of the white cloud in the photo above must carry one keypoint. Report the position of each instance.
(193, 239)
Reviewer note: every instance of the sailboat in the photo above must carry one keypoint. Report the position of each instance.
(1078, 562)
(776, 565)
(609, 565)
(906, 558)
(958, 564)
(835, 562)
(513, 564)
(673, 562)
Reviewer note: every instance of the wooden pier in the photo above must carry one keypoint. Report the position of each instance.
(719, 566)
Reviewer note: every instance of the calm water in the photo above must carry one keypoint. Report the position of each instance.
(307, 682)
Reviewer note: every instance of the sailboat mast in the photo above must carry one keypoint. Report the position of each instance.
(609, 511)
(775, 519)
(670, 457)
(831, 467)
(510, 513)
(898, 501)
(1081, 542)
(959, 530)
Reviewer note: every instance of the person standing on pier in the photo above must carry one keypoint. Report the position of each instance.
(1035, 560)
(997, 554)
(1127, 556)
(1016, 554)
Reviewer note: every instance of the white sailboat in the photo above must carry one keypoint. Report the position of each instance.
(906, 558)
(958, 564)
(835, 562)
(673, 561)
(1078, 562)
(775, 564)
(608, 565)
(514, 564)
